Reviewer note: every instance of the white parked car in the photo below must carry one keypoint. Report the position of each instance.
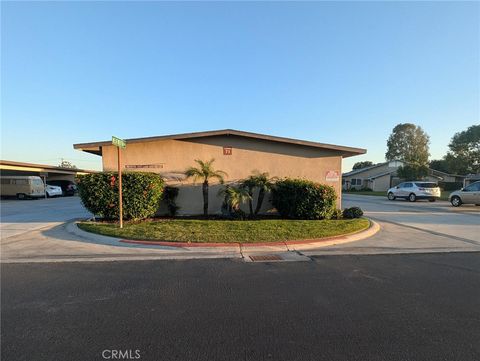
(53, 191)
(469, 194)
(415, 190)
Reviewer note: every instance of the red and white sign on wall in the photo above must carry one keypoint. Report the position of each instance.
(227, 150)
(332, 176)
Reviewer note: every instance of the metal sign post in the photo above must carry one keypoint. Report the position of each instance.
(119, 143)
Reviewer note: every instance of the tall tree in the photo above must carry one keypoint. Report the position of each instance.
(440, 165)
(205, 172)
(361, 165)
(408, 142)
(464, 154)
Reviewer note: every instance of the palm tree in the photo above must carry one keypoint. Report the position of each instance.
(205, 171)
(234, 197)
(263, 183)
(249, 184)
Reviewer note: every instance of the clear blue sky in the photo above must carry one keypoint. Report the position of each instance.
(333, 72)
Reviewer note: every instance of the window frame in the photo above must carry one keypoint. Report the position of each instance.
(358, 181)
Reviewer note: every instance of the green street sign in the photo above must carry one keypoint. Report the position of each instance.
(119, 142)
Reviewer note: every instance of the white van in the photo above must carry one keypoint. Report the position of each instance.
(22, 187)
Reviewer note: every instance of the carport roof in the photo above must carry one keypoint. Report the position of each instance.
(96, 147)
(33, 167)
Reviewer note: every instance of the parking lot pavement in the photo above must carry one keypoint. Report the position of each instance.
(23, 216)
(382, 307)
(419, 226)
(34, 231)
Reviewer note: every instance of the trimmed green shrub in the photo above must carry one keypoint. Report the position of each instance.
(352, 212)
(169, 195)
(450, 186)
(337, 214)
(142, 193)
(303, 199)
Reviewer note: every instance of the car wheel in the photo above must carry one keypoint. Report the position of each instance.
(432, 200)
(48, 195)
(21, 196)
(391, 196)
(456, 201)
(412, 197)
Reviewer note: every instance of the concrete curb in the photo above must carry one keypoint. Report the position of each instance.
(89, 237)
(330, 241)
(228, 247)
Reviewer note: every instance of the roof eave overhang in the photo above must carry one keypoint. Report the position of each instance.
(96, 147)
(89, 148)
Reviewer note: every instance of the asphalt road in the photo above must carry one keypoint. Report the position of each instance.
(383, 307)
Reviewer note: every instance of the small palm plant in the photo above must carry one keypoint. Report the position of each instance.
(234, 197)
(264, 183)
(205, 171)
(249, 185)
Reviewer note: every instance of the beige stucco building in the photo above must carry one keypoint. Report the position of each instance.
(235, 152)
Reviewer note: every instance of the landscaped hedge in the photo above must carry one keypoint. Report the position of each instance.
(352, 212)
(142, 193)
(450, 186)
(303, 199)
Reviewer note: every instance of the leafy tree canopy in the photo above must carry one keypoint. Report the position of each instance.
(408, 142)
(440, 165)
(360, 165)
(464, 154)
(411, 172)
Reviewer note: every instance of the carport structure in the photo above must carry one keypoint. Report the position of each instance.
(47, 172)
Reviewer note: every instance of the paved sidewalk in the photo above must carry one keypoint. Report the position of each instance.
(60, 243)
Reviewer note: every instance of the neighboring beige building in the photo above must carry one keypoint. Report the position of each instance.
(237, 153)
(380, 177)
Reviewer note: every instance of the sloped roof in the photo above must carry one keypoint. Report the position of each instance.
(10, 164)
(433, 172)
(356, 171)
(382, 174)
(95, 147)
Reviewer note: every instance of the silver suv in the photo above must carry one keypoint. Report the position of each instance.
(469, 194)
(415, 190)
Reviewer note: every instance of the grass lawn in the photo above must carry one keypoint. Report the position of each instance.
(443, 197)
(179, 230)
